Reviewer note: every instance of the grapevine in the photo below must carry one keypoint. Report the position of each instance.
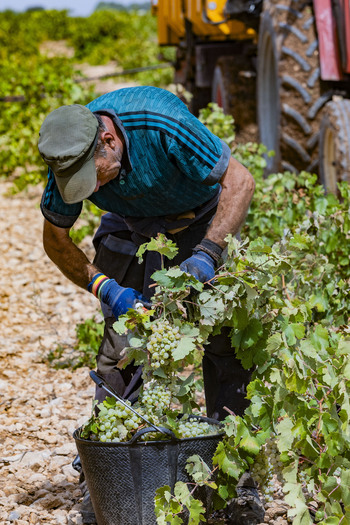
(40, 83)
(288, 318)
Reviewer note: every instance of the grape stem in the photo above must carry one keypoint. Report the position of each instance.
(229, 411)
(284, 288)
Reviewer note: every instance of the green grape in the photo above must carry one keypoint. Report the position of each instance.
(267, 469)
(192, 427)
(155, 398)
(161, 343)
(115, 424)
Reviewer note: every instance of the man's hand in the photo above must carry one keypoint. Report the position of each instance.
(200, 265)
(117, 297)
(120, 299)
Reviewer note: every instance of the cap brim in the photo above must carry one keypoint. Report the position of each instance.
(75, 188)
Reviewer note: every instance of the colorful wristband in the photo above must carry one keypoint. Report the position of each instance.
(96, 284)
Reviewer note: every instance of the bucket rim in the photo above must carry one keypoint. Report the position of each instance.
(148, 443)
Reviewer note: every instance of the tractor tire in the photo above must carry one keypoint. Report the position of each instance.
(234, 90)
(290, 94)
(334, 144)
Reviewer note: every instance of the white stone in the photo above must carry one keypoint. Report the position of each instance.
(32, 459)
(66, 449)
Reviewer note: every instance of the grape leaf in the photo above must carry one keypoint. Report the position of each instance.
(176, 280)
(158, 244)
(184, 347)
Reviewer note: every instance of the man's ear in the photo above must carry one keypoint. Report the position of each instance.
(108, 139)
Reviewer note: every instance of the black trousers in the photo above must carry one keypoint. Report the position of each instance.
(225, 379)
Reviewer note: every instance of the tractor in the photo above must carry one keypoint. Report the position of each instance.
(290, 57)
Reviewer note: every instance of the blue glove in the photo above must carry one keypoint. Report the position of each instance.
(118, 298)
(200, 265)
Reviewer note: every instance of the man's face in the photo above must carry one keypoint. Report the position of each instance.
(108, 167)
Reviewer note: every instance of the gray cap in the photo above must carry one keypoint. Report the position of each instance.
(67, 143)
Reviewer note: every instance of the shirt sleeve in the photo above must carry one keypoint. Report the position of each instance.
(196, 151)
(53, 207)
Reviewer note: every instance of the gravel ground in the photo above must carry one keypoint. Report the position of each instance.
(40, 407)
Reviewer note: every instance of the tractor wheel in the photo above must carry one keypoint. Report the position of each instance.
(334, 144)
(290, 94)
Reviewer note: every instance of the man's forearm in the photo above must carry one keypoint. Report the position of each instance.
(237, 191)
(72, 261)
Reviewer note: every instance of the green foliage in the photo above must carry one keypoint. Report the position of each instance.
(128, 38)
(251, 155)
(45, 83)
(145, 6)
(28, 30)
(285, 301)
(161, 245)
(170, 508)
(217, 122)
(89, 335)
(283, 292)
(48, 82)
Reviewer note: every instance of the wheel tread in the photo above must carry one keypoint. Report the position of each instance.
(287, 166)
(292, 82)
(313, 141)
(320, 102)
(313, 78)
(312, 48)
(289, 43)
(297, 57)
(298, 148)
(335, 136)
(309, 23)
(313, 166)
(295, 31)
(297, 117)
(289, 10)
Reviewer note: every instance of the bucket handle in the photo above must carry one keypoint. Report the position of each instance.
(146, 430)
(101, 383)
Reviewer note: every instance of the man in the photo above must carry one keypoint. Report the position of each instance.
(140, 155)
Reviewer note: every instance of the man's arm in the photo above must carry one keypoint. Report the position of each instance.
(237, 191)
(74, 264)
(72, 261)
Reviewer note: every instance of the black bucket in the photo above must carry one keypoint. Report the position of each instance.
(123, 477)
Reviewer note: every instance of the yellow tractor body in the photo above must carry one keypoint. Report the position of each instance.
(207, 18)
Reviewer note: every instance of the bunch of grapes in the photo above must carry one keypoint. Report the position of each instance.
(155, 398)
(115, 424)
(163, 341)
(267, 469)
(192, 427)
(304, 479)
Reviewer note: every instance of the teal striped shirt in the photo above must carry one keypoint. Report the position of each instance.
(172, 163)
